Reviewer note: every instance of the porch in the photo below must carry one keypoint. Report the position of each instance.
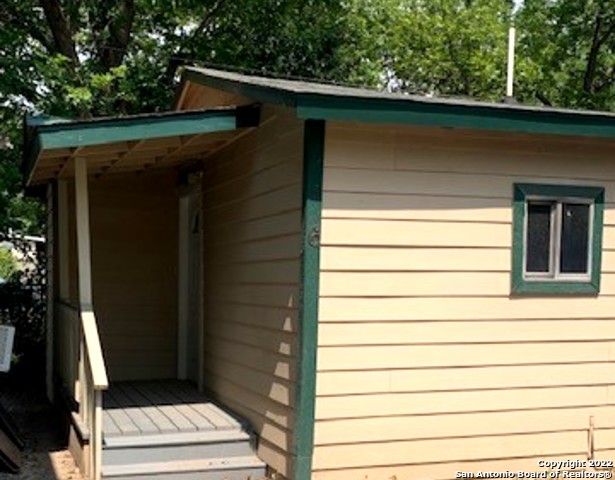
(167, 429)
(125, 308)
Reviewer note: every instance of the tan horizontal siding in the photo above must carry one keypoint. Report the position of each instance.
(259, 206)
(368, 430)
(431, 149)
(465, 332)
(353, 382)
(276, 271)
(432, 450)
(423, 403)
(134, 258)
(263, 359)
(433, 183)
(267, 318)
(425, 259)
(267, 418)
(426, 362)
(251, 242)
(416, 207)
(261, 383)
(463, 308)
(414, 233)
(257, 294)
(276, 341)
(448, 355)
(435, 284)
(283, 247)
(255, 404)
(447, 470)
(285, 223)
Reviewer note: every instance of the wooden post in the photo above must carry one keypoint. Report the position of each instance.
(50, 317)
(97, 436)
(182, 294)
(63, 242)
(82, 210)
(82, 215)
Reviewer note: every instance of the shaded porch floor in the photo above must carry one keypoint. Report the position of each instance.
(168, 407)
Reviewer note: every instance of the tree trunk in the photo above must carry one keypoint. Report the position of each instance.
(120, 29)
(60, 29)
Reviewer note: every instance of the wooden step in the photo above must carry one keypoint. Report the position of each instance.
(176, 447)
(185, 438)
(236, 468)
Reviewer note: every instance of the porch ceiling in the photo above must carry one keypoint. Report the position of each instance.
(132, 143)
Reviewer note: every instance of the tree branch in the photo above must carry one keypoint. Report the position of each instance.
(545, 101)
(592, 58)
(60, 29)
(176, 60)
(120, 29)
(16, 17)
(609, 79)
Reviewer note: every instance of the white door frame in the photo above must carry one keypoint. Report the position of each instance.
(186, 195)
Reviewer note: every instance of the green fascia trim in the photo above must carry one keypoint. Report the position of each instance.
(83, 134)
(546, 287)
(454, 116)
(313, 159)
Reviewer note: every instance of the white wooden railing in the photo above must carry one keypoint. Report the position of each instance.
(81, 346)
(92, 382)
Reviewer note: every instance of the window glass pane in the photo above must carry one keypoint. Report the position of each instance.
(575, 238)
(538, 240)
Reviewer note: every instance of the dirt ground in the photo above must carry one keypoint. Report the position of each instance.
(46, 456)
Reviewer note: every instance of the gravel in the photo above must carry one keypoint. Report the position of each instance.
(46, 456)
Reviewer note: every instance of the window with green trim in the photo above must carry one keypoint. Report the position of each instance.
(557, 239)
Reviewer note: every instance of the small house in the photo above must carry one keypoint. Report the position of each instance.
(309, 281)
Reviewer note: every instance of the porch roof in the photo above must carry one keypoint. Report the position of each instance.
(130, 143)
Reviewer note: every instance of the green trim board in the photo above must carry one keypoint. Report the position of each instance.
(454, 116)
(331, 102)
(553, 287)
(46, 134)
(313, 160)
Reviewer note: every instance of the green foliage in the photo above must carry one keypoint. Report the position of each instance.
(8, 264)
(567, 53)
(121, 56)
(22, 304)
(447, 47)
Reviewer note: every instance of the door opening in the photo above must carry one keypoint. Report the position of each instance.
(190, 333)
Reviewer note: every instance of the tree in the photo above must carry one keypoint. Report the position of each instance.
(444, 47)
(83, 58)
(567, 53)
(8, 264)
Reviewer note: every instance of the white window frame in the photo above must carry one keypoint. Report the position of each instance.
(554, 274)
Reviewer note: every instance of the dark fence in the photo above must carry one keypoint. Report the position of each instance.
(23, 305)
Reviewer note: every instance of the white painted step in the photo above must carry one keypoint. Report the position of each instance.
(184, 438)
(176, 452)
(236, 468)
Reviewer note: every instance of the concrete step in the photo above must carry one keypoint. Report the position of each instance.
(235, 468)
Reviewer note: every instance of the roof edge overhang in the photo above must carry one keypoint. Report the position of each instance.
(44, 134)
(359, 105)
